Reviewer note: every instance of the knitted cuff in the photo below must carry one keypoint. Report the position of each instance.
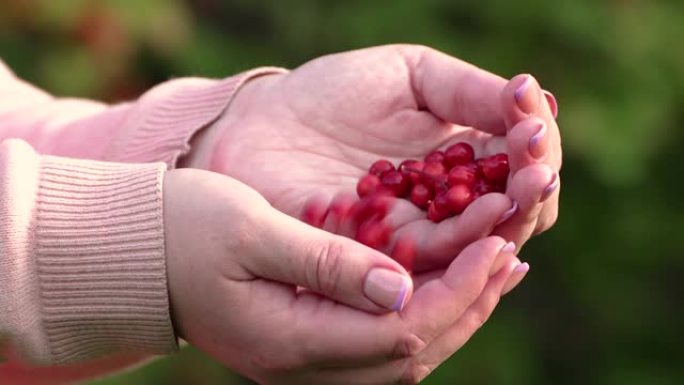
(174, 114)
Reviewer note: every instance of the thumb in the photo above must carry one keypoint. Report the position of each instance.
(292, 252)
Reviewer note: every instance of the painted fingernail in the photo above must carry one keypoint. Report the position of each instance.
(387, 288)
(508, 213)
(553, 185)
(508, 248)
(517, 275)
(535, 145)
(527, 96)
(553, 104)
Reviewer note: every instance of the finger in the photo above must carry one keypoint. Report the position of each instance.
(456, 91)
(440, 302)
(527, 143)
(474, 317)
(549, 213)
(292, 252)
(412, 370)
(438, 244)
(528, 187)
(516, 277)
(522, 98)
(507, 250)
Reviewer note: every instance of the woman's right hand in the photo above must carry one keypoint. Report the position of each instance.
(283, 302)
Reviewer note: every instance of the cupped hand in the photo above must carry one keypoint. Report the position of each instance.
(269, 296)
(313, 132)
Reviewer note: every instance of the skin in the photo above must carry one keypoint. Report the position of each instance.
(259, 291)
(313, 132)
(253, 318)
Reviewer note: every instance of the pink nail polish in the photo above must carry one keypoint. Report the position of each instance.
(553, 185)
(534, 146)
(553, 104)
(508, 247)
(526, 97)
(522, 268)
(508, 213)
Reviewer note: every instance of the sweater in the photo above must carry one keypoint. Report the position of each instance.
(83, 286)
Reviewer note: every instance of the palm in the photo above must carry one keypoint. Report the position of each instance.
(315, 131)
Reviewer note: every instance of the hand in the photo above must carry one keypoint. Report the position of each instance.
(316, 130)
(234, 264)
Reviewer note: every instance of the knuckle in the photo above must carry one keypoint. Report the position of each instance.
(415, 372)
(328, 267)
(408, 344)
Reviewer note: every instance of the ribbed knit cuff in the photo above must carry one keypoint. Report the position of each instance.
(164, 131)
(99, 248)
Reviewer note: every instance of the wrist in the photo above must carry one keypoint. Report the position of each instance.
(207, 143)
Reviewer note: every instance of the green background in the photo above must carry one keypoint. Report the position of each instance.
(604, 301)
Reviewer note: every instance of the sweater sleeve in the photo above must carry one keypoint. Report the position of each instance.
(156, 127)
(82, 263)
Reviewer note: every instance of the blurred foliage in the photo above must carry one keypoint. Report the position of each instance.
(604, 301)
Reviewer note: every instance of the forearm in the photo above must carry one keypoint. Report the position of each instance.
(82, 259)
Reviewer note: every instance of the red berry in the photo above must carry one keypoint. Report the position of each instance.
(458, 198)
(462, 174)
(482, 187)
(367, 185)
(459, 153)
(439, 209)
(396, 183)
(374, 233)
(380, 167)
(440, 183)
(404, 252)
(314, 212)
(432, 170)
(436, 156)
(421, 196)
(413, 169)
(495, 168)
(375, 205)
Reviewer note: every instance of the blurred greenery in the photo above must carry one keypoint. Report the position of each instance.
(604, 301)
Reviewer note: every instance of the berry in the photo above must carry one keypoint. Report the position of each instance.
(380, 167)
(413, 169)
(367, 185)
(459, 153)
(421, 196)
(483, 187)
(495, 168)
(436, 156)
(395, 182)
(439, 209)
(433, 170)
(374, 233)
(314, 212)
(458, 198)
(443, 184)
(404, 252)
(462, 174)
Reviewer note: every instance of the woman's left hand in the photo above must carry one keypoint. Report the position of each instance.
(313, 132)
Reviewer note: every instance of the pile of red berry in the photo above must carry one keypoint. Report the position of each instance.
(444, 183)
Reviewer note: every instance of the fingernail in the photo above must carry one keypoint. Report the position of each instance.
(553, 185)
(517, 275)
(509, 213)
(535, 146)
(387, 288)
(553, 104)
(508, 248)
(526, 96)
